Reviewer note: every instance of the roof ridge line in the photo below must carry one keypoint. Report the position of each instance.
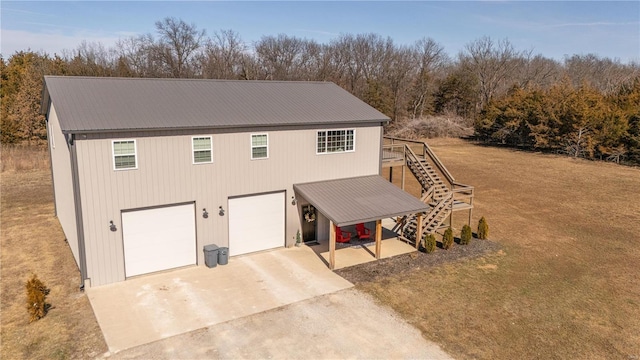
(186, 79)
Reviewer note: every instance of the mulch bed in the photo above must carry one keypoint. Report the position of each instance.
(376, 270)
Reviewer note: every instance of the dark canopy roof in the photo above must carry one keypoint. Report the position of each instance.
(360, 199)
(85, 104)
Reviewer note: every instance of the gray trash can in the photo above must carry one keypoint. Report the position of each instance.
(211, 255)
(223, 256)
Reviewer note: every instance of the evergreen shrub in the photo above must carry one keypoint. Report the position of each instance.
(465, 235)
(36, 296)
(447, 239)
(429, 243)
(483, 229)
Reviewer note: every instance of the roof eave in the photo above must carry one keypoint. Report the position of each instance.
(222, 127)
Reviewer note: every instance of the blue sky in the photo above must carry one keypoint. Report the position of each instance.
(554, 29)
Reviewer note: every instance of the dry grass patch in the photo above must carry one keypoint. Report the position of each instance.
(33, 243)
(24, 157)
(567, 283)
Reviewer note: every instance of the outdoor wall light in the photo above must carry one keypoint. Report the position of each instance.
(112, 226)
(220, 211)
(293, 201)
(205, 214)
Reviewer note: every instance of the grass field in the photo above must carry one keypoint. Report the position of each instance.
(567, 283)
(32, 242)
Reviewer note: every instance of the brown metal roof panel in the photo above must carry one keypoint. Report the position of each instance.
(361, 199)
(88, 104)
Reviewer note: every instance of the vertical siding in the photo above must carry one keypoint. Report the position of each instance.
(166, 175)
(63, 183)
(323, 228)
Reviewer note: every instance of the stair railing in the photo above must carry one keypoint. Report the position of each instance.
(443, 205)
(427, 198)
(426, 151)
(413, 159)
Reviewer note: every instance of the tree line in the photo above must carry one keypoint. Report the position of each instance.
(585, 105)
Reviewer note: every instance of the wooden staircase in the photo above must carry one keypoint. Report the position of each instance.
(444, 196)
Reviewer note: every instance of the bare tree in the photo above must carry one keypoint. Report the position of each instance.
(223, 56)
(399, 71)
(430, 57)
(493, 64)
(604, 74)
(538, 71)
(578, 143)
(178, 43)
(137, 55)
(280, 57)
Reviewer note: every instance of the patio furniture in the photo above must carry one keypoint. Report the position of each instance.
(342, 236)
(363, 232)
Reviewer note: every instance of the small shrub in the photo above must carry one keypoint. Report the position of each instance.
(447, 239)
(429, 243)
(36, 295)
(483, 229)
(465, 235)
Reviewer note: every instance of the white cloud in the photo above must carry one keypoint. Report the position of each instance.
(595, 23)
(318, 32)
(17, 40)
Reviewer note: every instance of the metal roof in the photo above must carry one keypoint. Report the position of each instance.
(360, 199)
(85, 104)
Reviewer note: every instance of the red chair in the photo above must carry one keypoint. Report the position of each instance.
(363, 232)
(342, 236)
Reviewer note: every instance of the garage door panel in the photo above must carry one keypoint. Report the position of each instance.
(256, 223)
(159, 239)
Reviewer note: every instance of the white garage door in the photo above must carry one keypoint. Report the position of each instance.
(256, 223)
(159, 239)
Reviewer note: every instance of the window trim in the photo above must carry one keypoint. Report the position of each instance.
(135, 153)
(53, 140)
(326, 137)
(251, 146)
(193, 151)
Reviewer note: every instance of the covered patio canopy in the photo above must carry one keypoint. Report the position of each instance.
(358, 200)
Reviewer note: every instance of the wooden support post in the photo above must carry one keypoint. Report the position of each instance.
(403, 167)
(418, 230)
(391, 174)
(451, 215)
(332, 245)
(378, 238)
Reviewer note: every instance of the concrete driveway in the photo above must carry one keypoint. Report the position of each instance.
(278, 304)
(347, 324)
(154, 307)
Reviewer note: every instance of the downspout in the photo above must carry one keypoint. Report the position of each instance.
(381, 146)
(78, 207)
(53, 182)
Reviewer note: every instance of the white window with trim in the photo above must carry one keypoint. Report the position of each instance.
(335, 141)
(53, 143)
(259, 146)
(124, 154)
(202, 148)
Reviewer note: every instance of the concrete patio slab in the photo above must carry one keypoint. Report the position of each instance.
(158, 306)
(360, 254)
(363, 254)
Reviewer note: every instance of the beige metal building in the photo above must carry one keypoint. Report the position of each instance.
(148, 171)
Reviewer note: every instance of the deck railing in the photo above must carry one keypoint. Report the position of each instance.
(399, 149)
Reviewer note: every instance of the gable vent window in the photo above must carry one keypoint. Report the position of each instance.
(259, 146)
(202, 149)
(333, 141)
(124, 154)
